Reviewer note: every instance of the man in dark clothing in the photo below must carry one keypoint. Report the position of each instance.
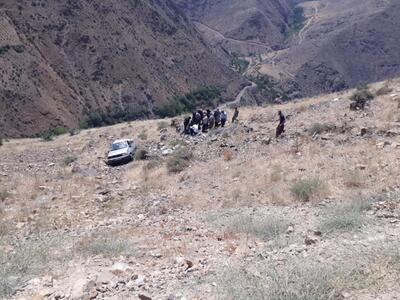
(205, 124)
(281, 127)
(224, 118)
(235, 115)
(186, 125)
(217, 117)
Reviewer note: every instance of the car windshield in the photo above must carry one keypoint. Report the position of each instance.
(118, 146)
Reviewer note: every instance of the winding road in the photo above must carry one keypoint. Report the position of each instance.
(238, 97)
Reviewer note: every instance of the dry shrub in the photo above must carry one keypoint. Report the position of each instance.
(318, 128)
(384, 91)
(228, 155)
(307, 189)
(276, 173)
(353, 179)
(179, 161)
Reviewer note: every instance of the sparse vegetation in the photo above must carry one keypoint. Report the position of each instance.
(305, 190)
(4, 195)
(266, 227)
(101, 118)
(28, 259)
(50, 134)
(239, 65)
(353, 179)
(384, 91)
(360, 98)
(143, 136)
(162, 125)
(304, 279)
(228, 155)
(318, 128)
(106, 245)
(141, 154)
(346, 217)
(296, 21)
(207, 96)
(68, 160)
(179, 161)
(268, 88)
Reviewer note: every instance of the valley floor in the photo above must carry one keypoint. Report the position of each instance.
(234, 214)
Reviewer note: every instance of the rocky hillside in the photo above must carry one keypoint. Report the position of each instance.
(231, 214)
(61, 61)
(237, 26)
(309, 47)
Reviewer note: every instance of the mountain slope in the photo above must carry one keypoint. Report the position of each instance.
(64, 60)
(250, 26)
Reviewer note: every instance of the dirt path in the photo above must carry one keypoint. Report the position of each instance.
(238, 97)
(221, 36)
(305, 29)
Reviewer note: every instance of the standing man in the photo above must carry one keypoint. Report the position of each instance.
(281, 127)
(235, 115)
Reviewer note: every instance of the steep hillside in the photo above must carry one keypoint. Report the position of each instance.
(249, 26)
(309, 47)
(231, 214)
(342, 44)
(63, 60)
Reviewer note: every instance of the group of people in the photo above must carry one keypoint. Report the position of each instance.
(202, 121)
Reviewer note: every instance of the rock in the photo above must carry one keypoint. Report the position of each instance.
(144, 297)
(290, 229)
(310, 241)
(167, 152)
(105, 277)
(317, 233)
(361, 166)
(140, 280)
(363, 131)
(382, 145)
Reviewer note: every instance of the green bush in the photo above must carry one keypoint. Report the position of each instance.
(50, 134)
(305, 190)
(268, 88)
(205, 96)
(360, 98)
(179, 161)
(68, 160)
(239, 65)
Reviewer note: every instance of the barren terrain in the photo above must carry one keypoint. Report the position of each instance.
(234, 214)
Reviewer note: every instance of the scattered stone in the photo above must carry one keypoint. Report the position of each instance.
(290, 229)
(144, 297)
(310, 241)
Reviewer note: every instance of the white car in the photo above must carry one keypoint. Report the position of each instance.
(121, 151)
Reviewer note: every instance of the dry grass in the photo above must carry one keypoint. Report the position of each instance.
(305, 278)
(307, 189)
(106, 245)
(28, 259)
(348, 217)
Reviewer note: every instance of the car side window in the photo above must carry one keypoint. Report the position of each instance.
(130, 144)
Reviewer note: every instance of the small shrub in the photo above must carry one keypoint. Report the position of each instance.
(106, 245)
(384, 91)
(143, 136)
(141, 154)
(4, 195)
(353, 179)
(151, 165)
(179, 161)
(162, 125)
(267, 227)
(228, 155)
(50, 134)
(68, 160)
(305, 190)
(348, 217)
(360, 98)
(318, 128)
